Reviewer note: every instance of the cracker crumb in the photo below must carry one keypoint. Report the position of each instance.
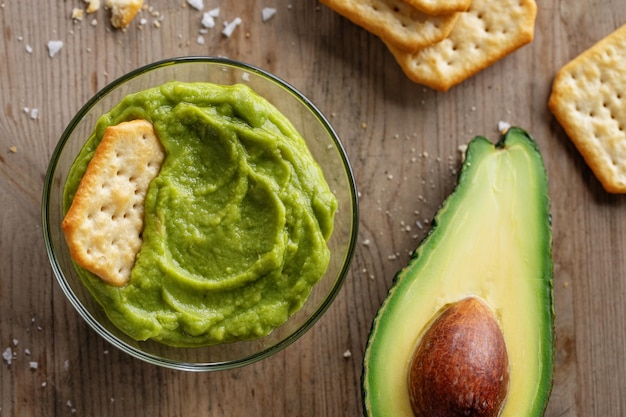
(94, 22)
(54, 47)
(462, 150)
(77, 14)
(13, 149)
(93, 5)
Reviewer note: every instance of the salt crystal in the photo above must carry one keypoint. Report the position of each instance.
(54, 47)
(34, 113)
(200, 40)
(347, 354)
(503, 126)
(229, 28)
(208, 18)
(267, 13)
(7, 355)
(29, 49)
(33, 365)
(196, 4)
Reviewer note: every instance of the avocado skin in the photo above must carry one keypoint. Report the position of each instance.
(380, 352)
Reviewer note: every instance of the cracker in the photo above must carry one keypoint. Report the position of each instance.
(487, 32)
(395, 22)
(123, 11)
(439, 7)
(589, 101)
(104, 222)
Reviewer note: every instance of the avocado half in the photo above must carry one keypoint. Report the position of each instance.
(491, 239)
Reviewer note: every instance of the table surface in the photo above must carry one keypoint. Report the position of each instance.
(402, 140)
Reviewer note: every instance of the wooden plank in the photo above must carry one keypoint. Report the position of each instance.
(403, 142)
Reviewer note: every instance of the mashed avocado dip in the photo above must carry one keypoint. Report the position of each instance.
(236, 223)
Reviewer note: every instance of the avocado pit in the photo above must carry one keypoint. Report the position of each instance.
(461, 366)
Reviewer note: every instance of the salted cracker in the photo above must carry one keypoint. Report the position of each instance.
(104, 223)
(589, 101)
(395, 22)
(439, 7)
(123, 11)
(488, 31)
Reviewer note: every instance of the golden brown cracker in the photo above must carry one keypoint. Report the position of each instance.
(395, 22)
(104, 222)
(487, 32)
(589, 101)
(123, 11)
(439, 7)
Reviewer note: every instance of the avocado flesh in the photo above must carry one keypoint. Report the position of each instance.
(491, 239)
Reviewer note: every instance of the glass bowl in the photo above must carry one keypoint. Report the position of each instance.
(323, 144)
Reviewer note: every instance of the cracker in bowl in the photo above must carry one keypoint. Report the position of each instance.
(589, 101)
(104, 223)
(487, 32)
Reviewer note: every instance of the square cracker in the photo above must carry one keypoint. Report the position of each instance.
(487, 32)
(395, 22)
(104, 223)
(589, 101)
(439, 7)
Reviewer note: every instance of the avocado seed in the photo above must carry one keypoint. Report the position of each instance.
(461, 366)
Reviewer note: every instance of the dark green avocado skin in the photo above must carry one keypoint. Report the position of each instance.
(515, 157)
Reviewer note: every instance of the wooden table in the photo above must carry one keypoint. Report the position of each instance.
(403, 143)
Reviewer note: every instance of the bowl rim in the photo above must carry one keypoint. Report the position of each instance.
(155, 359)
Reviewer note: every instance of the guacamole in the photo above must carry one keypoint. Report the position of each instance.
(236, 223)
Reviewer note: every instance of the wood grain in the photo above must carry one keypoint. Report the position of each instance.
(403, 142)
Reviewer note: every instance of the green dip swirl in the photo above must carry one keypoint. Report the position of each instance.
(236, 223)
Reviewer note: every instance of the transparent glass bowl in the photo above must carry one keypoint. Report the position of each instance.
(325, 147)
